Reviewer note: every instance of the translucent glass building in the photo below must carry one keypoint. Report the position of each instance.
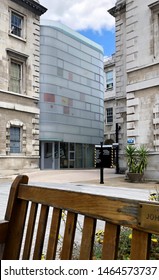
(71, 97)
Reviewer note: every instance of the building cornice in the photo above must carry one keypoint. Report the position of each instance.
(154, 6)
(32, 5)
(117, 9)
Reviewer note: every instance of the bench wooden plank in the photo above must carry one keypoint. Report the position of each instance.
(113, 209)
(15, 230)
(3, 231)
(69, 234)
(88, 236)
(110, 242)
(140, 245)
(3, 235)
(41, 232)
(30, 231)
(54, 234)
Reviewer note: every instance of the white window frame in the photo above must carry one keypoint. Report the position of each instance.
(109, 81)
(22, 36)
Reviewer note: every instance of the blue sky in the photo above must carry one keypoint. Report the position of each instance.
(90, 18)
(106, 39)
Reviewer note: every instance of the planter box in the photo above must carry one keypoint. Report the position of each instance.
(135, 177)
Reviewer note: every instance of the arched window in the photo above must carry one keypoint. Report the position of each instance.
(16, 134)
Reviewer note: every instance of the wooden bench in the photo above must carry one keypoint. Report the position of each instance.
(33, 216)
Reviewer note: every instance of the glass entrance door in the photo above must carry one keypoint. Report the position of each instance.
(71, 156)
(48, 160)
(56, 155)
(71, 159)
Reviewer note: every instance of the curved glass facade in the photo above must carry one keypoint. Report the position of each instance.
(71, 97)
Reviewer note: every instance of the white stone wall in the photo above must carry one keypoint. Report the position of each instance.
(139, 56)
(121, 79)
(20, 107)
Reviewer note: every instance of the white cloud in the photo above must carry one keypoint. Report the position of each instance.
(80, 14)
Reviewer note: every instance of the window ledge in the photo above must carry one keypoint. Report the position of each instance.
(109, 89)
(20, 95)
(109, 124)
(20, 155)
(17, 37)
(16, 154)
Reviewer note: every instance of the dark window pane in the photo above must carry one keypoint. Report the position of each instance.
(109, 115)
(15, 139)
(16, 24)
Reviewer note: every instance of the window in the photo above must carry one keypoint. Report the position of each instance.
(14, 139)
(16, 24)
(154, 7)
(15, 83)
(109, 80)
(109, 115)
(17, 71)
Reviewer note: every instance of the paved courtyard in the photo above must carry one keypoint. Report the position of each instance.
(81, 180)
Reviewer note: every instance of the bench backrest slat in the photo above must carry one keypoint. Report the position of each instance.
(140, 245)
(111, 241)
(69, 234)
(30, 231)
(54, 234)
(41, 232)
(88, 236)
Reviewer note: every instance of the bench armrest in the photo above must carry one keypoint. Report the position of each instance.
(3, 231)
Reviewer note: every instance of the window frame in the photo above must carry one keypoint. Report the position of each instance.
(21, 16)
(13, 79)
(109, 116)
(20, 59)
(23, 142)
(13, 150)
(16, 24)
(109, 81)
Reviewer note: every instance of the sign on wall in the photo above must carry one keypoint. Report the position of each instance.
(130, 141)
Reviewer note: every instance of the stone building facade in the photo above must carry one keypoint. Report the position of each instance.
(19, 84)
(137, 83)
(110, 100)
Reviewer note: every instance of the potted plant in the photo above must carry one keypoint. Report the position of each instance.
(136, 161)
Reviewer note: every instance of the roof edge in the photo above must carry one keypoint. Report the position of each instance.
(31, 5)
(72, 33)
(117, 9)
